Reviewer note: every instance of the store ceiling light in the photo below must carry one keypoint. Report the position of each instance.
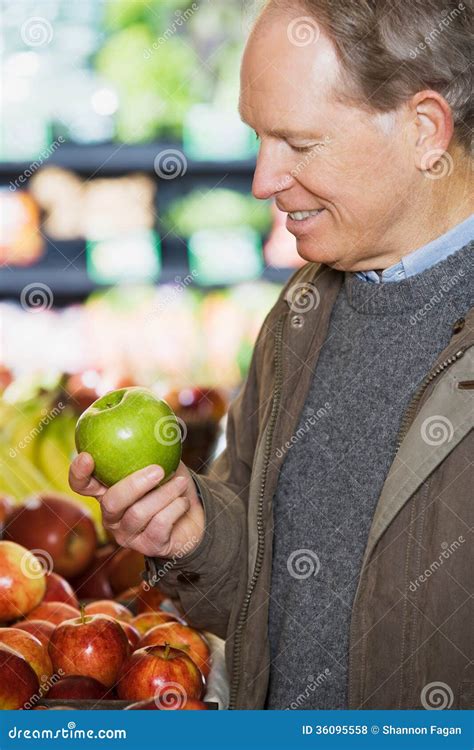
(104, 102)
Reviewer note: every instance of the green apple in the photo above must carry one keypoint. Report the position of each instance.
(126, 430)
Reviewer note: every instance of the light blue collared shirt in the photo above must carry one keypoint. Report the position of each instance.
(426, 256)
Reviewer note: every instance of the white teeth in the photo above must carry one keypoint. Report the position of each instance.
(300, 215)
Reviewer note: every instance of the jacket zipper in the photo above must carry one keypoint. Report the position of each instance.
(406, 423)
(260, 525)
(410, 412)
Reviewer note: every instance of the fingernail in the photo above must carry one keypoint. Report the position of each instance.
(156, 473)
(181, 482)
(82, 460)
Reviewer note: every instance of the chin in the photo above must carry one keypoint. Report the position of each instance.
(314, 251)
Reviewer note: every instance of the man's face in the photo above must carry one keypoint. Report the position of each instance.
(317, 154)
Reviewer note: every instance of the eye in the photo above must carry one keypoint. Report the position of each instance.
(302, 149)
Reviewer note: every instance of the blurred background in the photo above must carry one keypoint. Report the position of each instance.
(131, 248)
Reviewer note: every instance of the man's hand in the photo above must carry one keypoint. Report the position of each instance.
(156, 521)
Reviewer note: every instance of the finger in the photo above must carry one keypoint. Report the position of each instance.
(158, 532)
(81, 479)
(126, 492)
(138, 515)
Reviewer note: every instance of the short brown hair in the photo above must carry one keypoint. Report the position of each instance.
(390, 50)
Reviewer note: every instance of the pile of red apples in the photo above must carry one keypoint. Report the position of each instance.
(65, 630)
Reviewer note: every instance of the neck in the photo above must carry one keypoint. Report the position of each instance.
(441, 205)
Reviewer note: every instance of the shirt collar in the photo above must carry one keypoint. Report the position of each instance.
(425, 257)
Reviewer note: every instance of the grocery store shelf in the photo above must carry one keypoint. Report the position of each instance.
(63, 269)
(115, 158)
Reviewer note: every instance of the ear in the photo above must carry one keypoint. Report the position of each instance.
(434, 125)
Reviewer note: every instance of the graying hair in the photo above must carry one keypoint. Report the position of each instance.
(391, 49)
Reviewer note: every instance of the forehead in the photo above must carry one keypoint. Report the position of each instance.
(284, 71)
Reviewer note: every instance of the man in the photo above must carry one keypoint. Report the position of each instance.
(327, 544)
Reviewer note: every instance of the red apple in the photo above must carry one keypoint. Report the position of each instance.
(141, 598)
(147, 620)
(54, 612)
(22, 581)
(60, 527)
(125, 569)
(132, 634)
(109, 607)
(18, 680)
(93, 646)
(31, 648)
(82, 388)
(149, 599)
(79, 687)
(94, 582)
(42, 629)
(59, 590)
(198, 403)
(163, 673)
(190, 705)
(183, 637)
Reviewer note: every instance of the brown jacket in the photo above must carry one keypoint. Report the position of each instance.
(412, 617)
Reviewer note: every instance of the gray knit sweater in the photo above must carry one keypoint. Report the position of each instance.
(382, 340)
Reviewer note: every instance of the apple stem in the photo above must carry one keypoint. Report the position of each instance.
(83, 617)
(167, 650)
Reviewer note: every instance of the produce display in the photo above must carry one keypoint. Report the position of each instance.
(84, 652)
(77, 621)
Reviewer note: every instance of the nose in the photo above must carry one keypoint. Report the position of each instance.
(270, 176)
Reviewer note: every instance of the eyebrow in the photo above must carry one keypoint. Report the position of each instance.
(285, 133)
